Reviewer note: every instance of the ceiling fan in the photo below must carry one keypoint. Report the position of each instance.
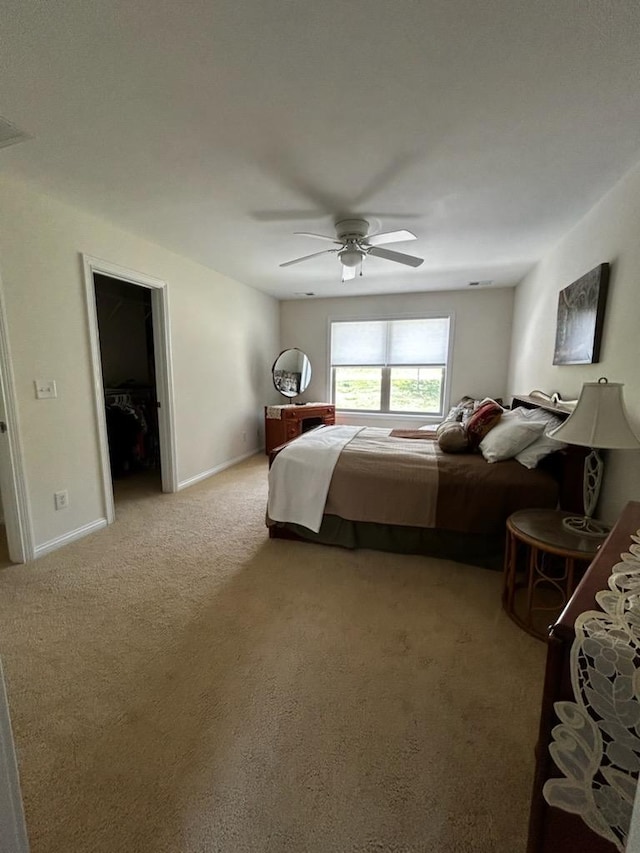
(354, 244)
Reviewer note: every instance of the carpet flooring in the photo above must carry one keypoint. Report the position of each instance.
(178, 682)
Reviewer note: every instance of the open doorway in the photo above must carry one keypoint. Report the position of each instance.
(131, 356)
(125, 333)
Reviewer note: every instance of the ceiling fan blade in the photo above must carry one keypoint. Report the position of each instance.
(386, 177)
(381, 214)
(398, 257)
(282, 166)
(286, 215)
(306, 257)
(390, 237)
(348, 273)
(318, 236)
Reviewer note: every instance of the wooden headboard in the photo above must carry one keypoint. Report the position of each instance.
(568, 464)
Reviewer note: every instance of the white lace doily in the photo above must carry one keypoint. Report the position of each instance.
(597, 743)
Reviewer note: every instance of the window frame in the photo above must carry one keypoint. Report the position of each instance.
(385, 390)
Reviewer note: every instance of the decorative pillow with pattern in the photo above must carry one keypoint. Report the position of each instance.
(461, 411)
(452, 437)
(484, 418)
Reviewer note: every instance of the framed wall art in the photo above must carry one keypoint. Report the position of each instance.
(580, 318)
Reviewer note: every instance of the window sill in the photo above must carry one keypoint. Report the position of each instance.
(383, 419)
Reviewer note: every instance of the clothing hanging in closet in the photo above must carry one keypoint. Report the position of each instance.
(131, 430)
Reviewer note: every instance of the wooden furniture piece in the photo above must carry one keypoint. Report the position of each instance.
(539, 403)
(552, 829)
(548, 558)
(571, 459)
(294, 420)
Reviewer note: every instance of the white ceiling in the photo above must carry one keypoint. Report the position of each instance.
(218, 127)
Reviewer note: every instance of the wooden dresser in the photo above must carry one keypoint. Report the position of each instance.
(284, 423)
(551, 829)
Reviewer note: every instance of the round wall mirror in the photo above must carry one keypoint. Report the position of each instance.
(291, 372)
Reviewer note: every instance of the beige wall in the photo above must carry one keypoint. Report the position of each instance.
(224, 336)
(610, 232)
(482, 334)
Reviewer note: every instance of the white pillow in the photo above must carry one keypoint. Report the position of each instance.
(537, 416)
(510, 435)
(542, 446)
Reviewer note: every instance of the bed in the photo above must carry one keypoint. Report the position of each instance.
(398, 491)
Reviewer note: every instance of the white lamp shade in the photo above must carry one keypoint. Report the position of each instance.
(599, 420)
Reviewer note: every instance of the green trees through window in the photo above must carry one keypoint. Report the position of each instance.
(411, 389)
(416, 389)
(358, 388)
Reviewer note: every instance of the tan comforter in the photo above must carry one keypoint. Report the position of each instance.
(385, 479)
(405, 479)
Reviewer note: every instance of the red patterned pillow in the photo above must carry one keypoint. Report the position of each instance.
(485, 417)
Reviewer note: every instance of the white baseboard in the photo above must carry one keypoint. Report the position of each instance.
(98, 524)
(184, 484)
(78, 533)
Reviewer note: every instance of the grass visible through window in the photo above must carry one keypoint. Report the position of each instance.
(416, 389)
(358, 388)
(409, 389)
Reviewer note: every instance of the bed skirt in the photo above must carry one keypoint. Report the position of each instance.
(478, 549)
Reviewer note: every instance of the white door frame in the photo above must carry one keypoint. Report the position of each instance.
(17, 510)
(13, 833)
(164, 371)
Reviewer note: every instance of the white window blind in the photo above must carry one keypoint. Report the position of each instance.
(390, 342)
(358, 343)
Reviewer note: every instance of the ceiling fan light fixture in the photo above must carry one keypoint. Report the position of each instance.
(353, 246)
(350, 257)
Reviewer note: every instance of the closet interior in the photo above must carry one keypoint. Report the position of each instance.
(125, 327)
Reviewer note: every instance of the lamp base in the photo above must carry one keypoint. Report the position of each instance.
(585, 526)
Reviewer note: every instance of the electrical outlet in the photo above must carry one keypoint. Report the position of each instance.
(244, 436)
(61, 499)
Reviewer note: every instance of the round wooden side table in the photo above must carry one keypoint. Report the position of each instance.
(542, 565)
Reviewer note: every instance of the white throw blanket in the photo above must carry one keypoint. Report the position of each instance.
(300, 475)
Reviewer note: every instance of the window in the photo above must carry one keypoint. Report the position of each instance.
(390, 365)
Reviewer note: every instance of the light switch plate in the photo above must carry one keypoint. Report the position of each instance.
(45, 389)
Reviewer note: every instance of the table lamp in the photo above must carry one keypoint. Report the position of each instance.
(599, 421)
